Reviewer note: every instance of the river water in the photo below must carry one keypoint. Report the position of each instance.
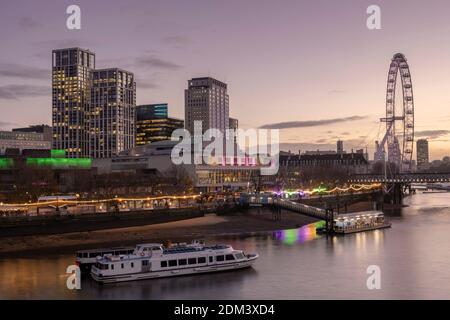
(413, 256)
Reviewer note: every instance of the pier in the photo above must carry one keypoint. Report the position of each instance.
(335, 223)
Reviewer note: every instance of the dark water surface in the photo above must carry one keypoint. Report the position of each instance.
(414, 257)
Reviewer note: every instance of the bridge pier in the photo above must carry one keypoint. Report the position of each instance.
(329, 220)
(395, 194)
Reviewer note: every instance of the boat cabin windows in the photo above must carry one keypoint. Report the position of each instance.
(229, 257)
(172, 263)
(132, 264)
(112, 266)
(182, 262)
(192, 261)
(239, 256)
(202, 260)
(102, 266)
(211, 259)
(220, 258)
(122, 265)
(163, 264)
(94, 254)
(145, 263)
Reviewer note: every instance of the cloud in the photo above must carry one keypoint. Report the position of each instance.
(146, 84)
(23, 72)
(154, 62)
(7, 124)
(17, 91)
(431, 134)
(311, 123)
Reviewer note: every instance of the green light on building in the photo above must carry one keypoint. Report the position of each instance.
(6, 163)
(57, 163)
(57, 153)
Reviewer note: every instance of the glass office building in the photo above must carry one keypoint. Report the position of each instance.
(152, 111)
(153, 124)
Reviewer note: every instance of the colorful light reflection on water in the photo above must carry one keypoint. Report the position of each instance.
(300, 235)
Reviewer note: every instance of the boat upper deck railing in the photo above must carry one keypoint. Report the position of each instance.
(194, 249)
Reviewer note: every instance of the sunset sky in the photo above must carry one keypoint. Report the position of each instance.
(312, 62)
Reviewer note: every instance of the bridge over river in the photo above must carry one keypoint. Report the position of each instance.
(395, 186)
(401, 178)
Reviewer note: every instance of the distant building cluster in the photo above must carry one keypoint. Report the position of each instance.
(97, 125)
(95, 118)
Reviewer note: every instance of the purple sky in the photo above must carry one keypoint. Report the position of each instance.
(295, 60)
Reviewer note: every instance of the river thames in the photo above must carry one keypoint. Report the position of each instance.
(294, 264)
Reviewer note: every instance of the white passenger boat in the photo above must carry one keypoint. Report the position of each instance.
(152, 260)
(86, 258)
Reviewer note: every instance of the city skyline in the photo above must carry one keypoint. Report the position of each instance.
(311, 79)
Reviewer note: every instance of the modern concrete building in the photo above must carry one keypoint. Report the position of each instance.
(153, 124)
(423, 161)
(40, 128)
(156, 157)
(112, 116)
(71, 99)
(206, 100)
(18, 141)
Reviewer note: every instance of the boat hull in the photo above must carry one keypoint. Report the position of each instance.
(173, 273)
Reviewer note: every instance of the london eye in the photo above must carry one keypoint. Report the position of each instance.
(399, 118)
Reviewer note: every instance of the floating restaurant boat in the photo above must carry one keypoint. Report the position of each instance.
(149, 261)
(85, 259)
(357, 222)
